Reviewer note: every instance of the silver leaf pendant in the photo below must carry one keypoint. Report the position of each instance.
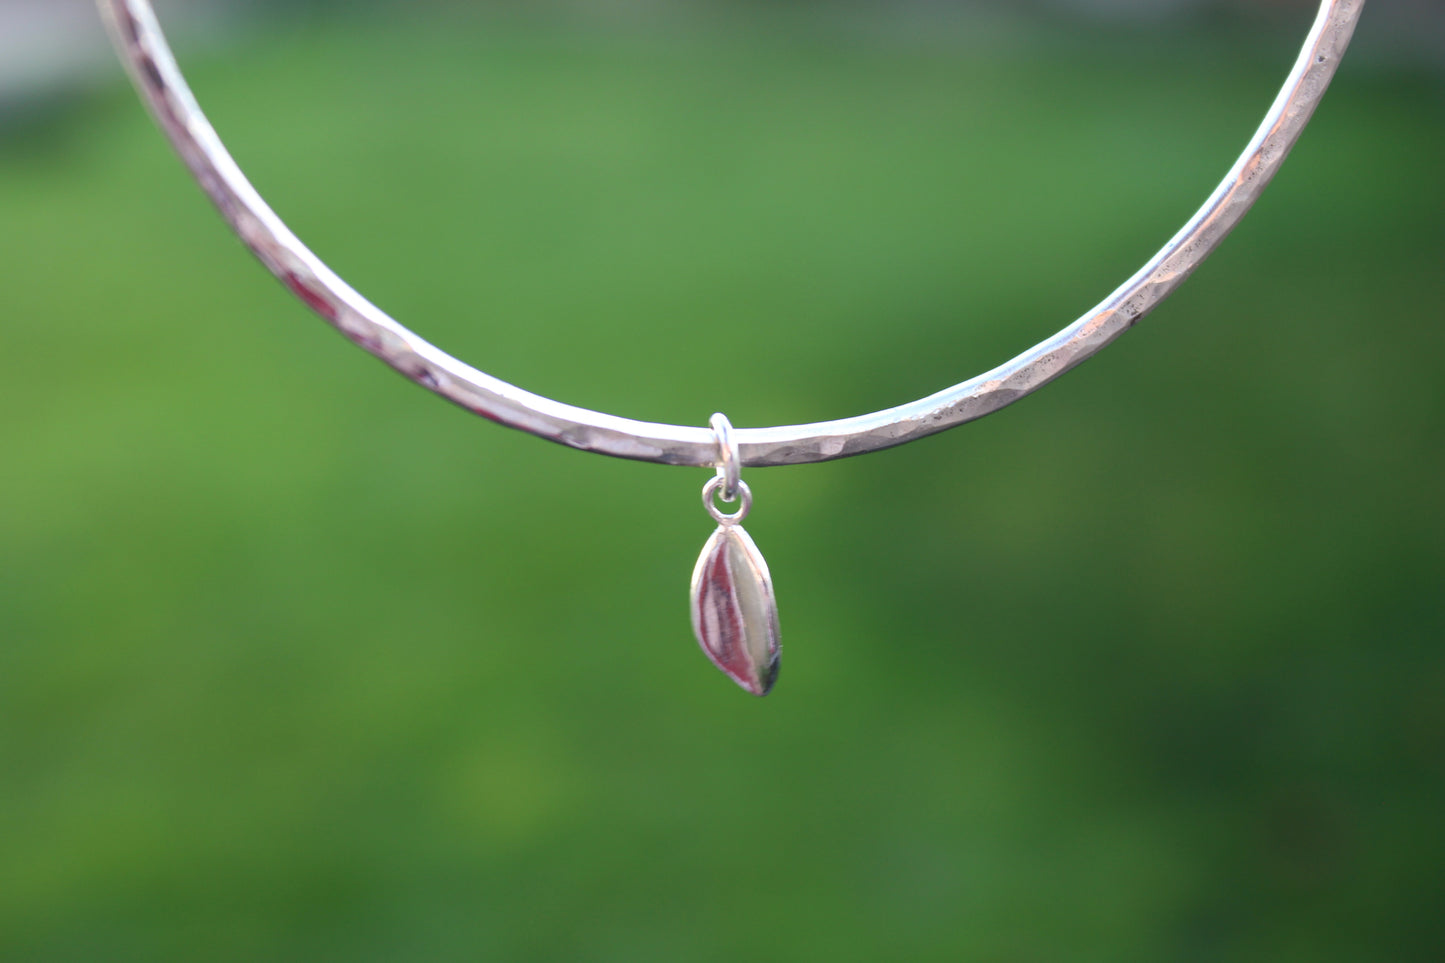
(733, 610)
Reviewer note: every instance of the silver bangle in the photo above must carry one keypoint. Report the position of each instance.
(152, 66)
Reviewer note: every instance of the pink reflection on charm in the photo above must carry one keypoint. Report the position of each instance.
(733, 610)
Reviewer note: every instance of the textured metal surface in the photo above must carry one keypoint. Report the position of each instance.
(153, 68)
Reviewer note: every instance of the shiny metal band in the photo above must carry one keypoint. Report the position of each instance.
(153, 68)
(730, 459)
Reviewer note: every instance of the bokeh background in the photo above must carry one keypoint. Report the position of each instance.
(299, 663)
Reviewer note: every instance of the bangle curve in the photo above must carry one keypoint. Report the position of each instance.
(143, 48)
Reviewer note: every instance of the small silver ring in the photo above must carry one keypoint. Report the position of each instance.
(730, 459)
(722, 517)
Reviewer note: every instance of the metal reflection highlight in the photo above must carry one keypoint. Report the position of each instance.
(734, 612)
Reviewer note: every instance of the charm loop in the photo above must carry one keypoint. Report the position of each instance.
(730, 459)
(721, 517)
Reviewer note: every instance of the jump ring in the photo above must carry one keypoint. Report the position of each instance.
(722, 517)
(730, 459)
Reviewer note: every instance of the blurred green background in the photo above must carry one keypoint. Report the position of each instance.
(300, 663)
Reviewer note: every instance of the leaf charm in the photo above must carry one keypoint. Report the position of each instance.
(733, 610)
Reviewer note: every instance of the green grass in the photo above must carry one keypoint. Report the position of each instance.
(299, 663)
